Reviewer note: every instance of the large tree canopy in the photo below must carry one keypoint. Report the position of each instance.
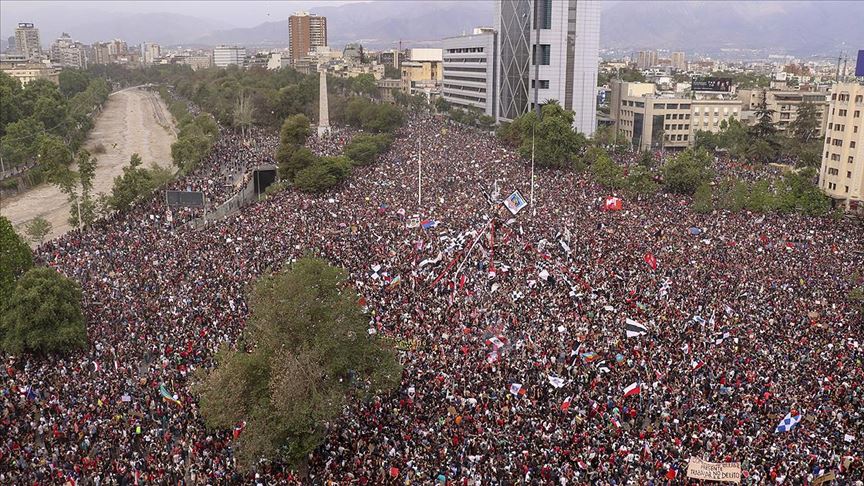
(309, 350)
(43, 315)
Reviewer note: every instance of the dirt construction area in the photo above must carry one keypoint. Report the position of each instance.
(132, 121)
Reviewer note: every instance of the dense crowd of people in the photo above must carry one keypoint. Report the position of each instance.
(512, 330)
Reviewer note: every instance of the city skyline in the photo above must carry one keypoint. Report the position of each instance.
(761, 26)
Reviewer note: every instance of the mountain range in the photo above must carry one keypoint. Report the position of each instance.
(794, 27)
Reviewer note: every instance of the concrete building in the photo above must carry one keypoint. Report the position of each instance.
(150, 52)
(387, 86)
(27, 42)
(68, 53)
(646, 59)
(423, 72)
(548, 50)
(117, 48)
(25, 71)
(353, 52)
(196, 61)
(100, 53)
(667, 121)
(305, 32)
(784, 104)
(224, 56)
(469, 70)
(678, 61)
(842, 173)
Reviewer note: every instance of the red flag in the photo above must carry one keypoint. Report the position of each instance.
(613, 204)
(632, 389)
(651, 260)
(566, 405)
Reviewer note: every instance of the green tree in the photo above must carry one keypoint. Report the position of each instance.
(15, 259)
(702, 202)
(441, 105)
(37, 229)
(73, 81)
(687, 171)
(299, 159)
(605, 171)
(640, 182)
(323, 174)
(43, 315)
(21, 142)
(364, 148)
(295, 130)
(86, 175)
(554, 143)
(365, 85)
(309, 350)
(135, 183)
(243, 113)
(763, 144)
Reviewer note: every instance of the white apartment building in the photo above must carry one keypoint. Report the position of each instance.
(842, 173)
(548, 50)
(68, 53)
(224, 56)
(470, 71)
(27, 42)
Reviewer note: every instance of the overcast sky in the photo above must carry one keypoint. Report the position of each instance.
(230, 13)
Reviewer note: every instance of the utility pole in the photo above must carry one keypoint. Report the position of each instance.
(533, 208)
(419, 174)
(536, 56)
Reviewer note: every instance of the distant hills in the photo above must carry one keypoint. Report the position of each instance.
(795, 27)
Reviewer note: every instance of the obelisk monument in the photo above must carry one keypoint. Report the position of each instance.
(323, 109)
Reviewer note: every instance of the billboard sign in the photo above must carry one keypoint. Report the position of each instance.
(719, 85)
(186, 199)
(859, 66)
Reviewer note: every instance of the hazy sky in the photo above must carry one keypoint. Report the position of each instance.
(231, 13)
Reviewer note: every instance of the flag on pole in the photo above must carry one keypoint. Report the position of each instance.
(632, 389)
(789, 421)
(634, 329)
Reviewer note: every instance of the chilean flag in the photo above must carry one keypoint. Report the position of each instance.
(566, 405)
(632, 389)
(613, 204)
(651, 260)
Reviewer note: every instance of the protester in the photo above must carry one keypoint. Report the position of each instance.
(746, 318)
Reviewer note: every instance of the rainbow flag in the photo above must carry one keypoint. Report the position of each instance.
(166, 395)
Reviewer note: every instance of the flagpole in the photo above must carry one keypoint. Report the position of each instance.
(533, 208)
(419, 174)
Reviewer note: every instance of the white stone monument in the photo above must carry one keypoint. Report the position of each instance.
(323, 108)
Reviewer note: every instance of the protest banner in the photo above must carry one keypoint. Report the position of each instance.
(729, 472)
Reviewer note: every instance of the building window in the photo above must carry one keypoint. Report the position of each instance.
(544, 83)
(852, 144)
(545, 54)
(544, 14)
(848, 174)
(851, 159)
(856, 114)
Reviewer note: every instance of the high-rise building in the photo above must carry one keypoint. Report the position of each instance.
(150, 52)
(27, 41)
(842, 173)
(101, 54)
(305, 32)
(117, 48)
(68, 53)
(548, 50)
(470, 72)
(784, 106)
(646, 59)
(224, 56)
(678, 61)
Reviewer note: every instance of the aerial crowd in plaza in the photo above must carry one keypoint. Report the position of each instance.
(522, 335)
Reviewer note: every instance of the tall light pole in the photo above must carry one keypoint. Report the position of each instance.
(533, 208)
(419, 174)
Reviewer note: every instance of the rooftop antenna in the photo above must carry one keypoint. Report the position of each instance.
(837, 74)
(845, 62)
